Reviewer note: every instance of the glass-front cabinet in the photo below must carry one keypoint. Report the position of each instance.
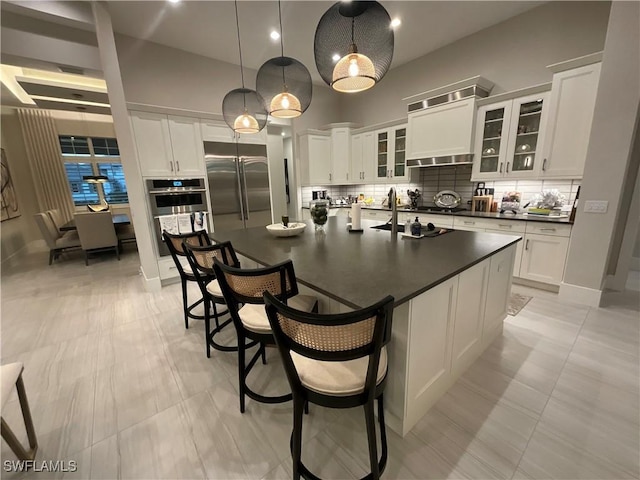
(390, 154)
(508, 135)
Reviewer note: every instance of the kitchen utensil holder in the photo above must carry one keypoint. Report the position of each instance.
(481, 203)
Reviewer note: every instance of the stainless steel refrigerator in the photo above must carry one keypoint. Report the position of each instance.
(238, 185)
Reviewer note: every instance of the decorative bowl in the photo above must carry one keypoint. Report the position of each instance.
(279, 230)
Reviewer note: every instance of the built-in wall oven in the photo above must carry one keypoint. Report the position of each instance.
(174, 196)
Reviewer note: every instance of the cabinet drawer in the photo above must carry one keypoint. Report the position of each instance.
(549, 229)
(442, 221)
(376, 214)
(507, 226)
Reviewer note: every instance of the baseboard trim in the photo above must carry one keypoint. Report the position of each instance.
(532, 283)
(151, 284)
(590, 297)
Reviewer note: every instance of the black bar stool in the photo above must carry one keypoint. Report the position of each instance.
(336, 361)
(201, 262)
(242, 290)
(174, 243)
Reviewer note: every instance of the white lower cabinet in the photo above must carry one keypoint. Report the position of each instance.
(543, 258)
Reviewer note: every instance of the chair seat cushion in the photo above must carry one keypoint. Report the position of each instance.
(186, 268)
(337, 378)
(69, 239)
(254, 316)
(9, 374)
(213, 287)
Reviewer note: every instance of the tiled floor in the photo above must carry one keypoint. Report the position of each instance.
(118, 385)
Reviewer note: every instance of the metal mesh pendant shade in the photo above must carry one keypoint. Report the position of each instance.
(360, 34)
(243, 110)
(285, 85)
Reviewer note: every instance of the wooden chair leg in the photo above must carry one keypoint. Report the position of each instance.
(296, 435)
(241, 372)
(207, 326)
(8, 435)
(51, 255)
(118, 252)
(185, 306)
(86, 258)
(371, 438)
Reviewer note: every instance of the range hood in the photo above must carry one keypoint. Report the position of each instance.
(427, 147)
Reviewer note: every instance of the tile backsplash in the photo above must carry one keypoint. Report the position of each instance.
(432, 180)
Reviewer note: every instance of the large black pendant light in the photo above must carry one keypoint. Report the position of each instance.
(360, 37)
(242, 108)
(284, 83)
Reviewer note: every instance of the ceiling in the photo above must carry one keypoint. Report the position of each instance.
(208, 27)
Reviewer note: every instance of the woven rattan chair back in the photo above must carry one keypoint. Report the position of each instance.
(175, 241)
(201, 258)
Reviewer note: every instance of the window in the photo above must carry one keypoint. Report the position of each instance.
(82, 193)
(91, 153)
(115, 190)
(74, 145)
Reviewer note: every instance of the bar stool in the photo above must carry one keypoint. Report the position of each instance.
(11, 375)
(174, 243)
(242, 290)
(336, 361)
(201, 262)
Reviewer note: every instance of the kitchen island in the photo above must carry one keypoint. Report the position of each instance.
(451, 294)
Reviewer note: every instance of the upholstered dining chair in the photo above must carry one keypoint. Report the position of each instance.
(175, 243)
(201, 263)
(56, 218)
(243, 292)
(11, 377)
(336, 361)
(97, 233)
(57, 244)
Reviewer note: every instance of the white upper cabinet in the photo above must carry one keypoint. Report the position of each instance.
(573, 98)
(153, 144)
(315, 159)
(341, 155)
(390, 148)
(216, 132)
(186, 143)
(509, 137)
(363, 158)
(442, 130)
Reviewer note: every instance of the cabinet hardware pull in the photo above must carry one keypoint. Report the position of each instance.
(501, 167)
(329, 177)
(548, 229)
(507, 167)
(526, 245)
(347, 175)
(178, 165)
(544, 164)
(469, 223)
(171, 165)
(505, 225)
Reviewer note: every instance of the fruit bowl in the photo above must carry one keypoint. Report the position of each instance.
(279, 230)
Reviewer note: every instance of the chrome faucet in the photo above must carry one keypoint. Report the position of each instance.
(394, 211)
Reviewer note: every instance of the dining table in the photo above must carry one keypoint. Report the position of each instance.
(118, 219)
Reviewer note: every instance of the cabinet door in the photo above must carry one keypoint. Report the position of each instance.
(443, 130)
(340, 155)
(519, 249)
(492, 137)
(369, 167)
(543, 258)
(357, 166)
(526, 132)
(259, 138)
(151, 131)
(382, 155)
(186, 142)
(498, 292)
(216, 132)
(319, 160)
(399, 169)
(573, 98)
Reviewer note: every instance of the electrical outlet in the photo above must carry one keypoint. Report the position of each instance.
(596, 206)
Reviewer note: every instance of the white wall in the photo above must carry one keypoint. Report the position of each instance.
(512, 54)
(608, 156)
(275, 152)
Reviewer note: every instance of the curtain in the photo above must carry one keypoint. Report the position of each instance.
(43, 154)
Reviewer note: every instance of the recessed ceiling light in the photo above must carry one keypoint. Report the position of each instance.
(282, 133)
(174, 1)
(395, 22)
(336, 57)
(275, 35)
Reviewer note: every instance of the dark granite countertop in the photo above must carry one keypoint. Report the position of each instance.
(469, 213)
(358, 269)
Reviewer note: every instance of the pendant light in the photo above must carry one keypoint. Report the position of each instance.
(242, 108)
(360, 36)
(284, 83)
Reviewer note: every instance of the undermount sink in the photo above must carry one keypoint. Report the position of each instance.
(387, 226)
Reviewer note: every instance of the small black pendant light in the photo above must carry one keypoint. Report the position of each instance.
(360, 36)
(242, 108)
(284, 83)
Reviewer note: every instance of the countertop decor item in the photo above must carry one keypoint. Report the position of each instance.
(353, 45)
(279, 230)
(242, 108)
(319, 213)
(447, 199)
(284, 83)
